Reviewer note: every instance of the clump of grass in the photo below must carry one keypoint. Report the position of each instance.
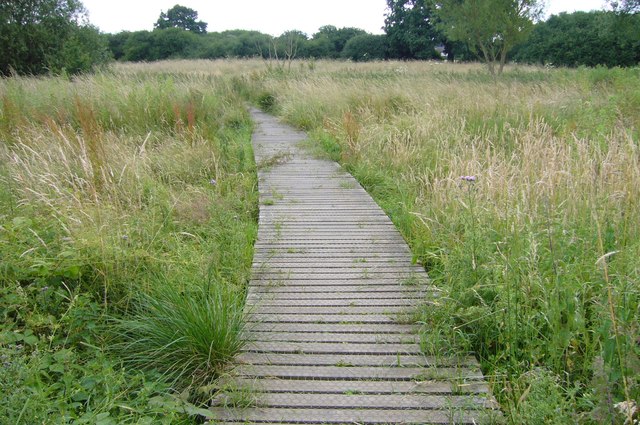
(187, 335)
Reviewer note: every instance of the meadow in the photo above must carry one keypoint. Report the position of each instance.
(128, 210)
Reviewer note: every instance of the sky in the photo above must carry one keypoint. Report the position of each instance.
(268, 16)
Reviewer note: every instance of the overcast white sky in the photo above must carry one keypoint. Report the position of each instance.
(267, 16)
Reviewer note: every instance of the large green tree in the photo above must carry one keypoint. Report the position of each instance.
(337, 38)
(491, 28)
(39, 36)
(584, 38)
(181, 17)
(411, 29)
(365, 47)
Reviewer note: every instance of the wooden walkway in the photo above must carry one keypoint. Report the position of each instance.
(329, 308)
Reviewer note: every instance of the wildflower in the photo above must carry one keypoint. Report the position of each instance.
(629, 409)
(213, 182)
(468, 178)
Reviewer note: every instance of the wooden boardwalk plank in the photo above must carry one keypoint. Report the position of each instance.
(343, 359)
(269, 384)
(378, 328)
(360, 372)
(328, 338)
(308, 347)
(349, 416)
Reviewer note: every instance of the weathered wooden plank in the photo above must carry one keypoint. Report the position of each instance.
(371, 338)
(320, 318)
(338, 302)
(367, 401)
(369, 282)
(330, 348)
(298, 265)
(275, 297)
(346, 416)
(378, 360)
(379, 328)
(294, 256)
(462, 374)
(334, 251)
(322, 288)
(267, 384)
(339, 310)
(367, 274)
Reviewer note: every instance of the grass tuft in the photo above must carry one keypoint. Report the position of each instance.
(187, 335)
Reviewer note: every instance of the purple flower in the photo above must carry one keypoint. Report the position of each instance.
(468, 178)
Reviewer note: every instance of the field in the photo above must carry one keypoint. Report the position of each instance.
(129, 195)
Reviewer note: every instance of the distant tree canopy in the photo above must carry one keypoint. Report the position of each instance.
(490, 28)
(365, 47)
(181, 17)
(494, 30)
(411, 30)
(584, 38)
(328, 42)
(336, 39)
(40, 36)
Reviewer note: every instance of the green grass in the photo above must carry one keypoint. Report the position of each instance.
(128, 211)
(188, 334)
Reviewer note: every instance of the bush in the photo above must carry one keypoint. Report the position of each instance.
(46, 36)
(366, 47)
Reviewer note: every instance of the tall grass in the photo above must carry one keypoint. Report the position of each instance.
(537, 253)
(112, 185)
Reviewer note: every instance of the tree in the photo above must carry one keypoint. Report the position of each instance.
(173, 43)
(321, 47)
(583, 38)
(39, 36)
(181, 17)
(625, 6)
(139, 47)
(338, 38)
(117, 42)
(491, 28)
(411, 29)
(366, 47)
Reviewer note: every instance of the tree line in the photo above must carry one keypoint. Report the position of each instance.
(40, 36)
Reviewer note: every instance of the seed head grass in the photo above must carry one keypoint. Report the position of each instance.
(107, 210)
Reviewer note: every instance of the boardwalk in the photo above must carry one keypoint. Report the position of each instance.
(329, 308)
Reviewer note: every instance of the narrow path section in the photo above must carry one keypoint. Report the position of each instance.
(330, 308)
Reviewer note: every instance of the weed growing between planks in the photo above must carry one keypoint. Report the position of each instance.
(129, 195)
(536, 255)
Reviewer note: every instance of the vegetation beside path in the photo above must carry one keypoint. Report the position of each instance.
(520, 195)
(128, 211)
